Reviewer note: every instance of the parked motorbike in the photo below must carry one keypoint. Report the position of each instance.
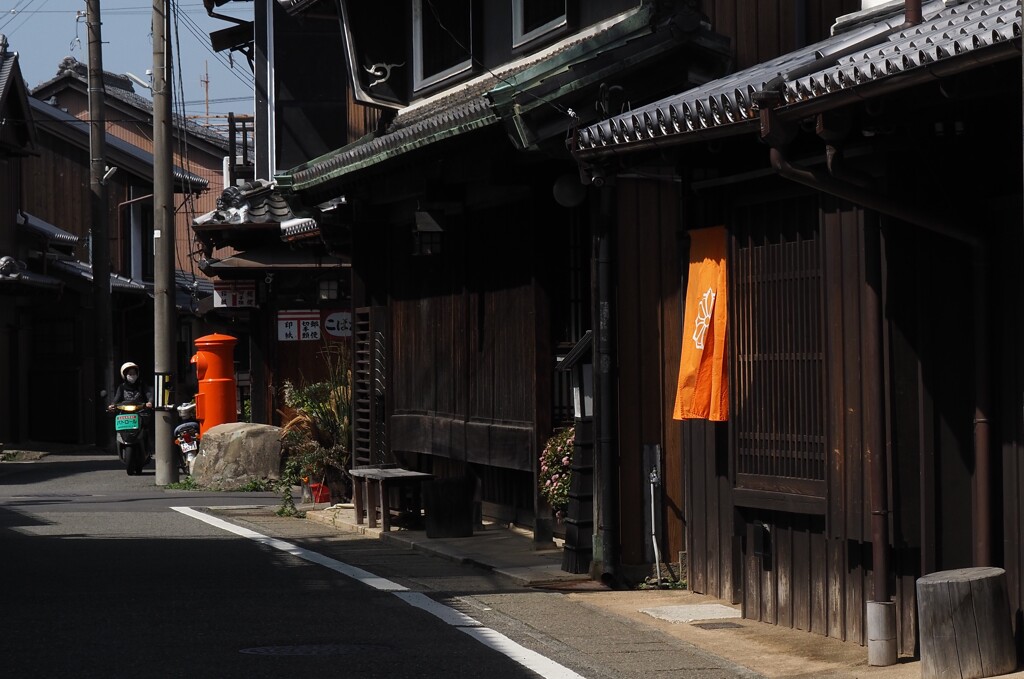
(130, 426)
(186, 437)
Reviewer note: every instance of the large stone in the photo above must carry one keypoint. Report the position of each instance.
(233, 455)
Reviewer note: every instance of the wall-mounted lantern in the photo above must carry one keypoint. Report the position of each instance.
(579, 362)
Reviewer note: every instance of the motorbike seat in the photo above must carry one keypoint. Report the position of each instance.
(187, 426)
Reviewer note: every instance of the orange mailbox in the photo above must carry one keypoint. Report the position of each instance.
(215, 368)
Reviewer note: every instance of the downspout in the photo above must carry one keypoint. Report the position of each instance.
(881, 610)
(607, 405)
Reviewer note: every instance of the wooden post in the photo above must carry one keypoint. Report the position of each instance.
(964, 617)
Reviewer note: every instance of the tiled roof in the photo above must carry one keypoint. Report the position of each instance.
(193, 183)
(468, 111)
(255, 202)
(27, 279)
(256, 205)
(84, 271)
(188, 289)
(954, 35)
(47, 231)
(120, 87)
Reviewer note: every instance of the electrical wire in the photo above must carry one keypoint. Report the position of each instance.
(188, 206)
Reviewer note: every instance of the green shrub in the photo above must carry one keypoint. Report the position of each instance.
(555, 469)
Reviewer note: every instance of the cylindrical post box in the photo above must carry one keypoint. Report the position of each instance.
(215, 369)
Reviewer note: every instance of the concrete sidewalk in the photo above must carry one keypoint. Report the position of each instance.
(710, 624)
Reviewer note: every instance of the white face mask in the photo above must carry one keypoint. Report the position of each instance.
(132, 379)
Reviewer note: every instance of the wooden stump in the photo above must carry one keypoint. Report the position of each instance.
(964, 618)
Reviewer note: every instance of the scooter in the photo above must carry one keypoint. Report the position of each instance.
(129, 423)
(186, 437)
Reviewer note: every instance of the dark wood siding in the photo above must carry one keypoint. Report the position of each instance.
(463, 333)
(790, 562)
(649, 335)
(1010, 295)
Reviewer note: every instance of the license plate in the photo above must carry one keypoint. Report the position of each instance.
(126, 421)
(189, 446)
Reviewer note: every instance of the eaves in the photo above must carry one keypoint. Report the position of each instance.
(453, 122)
(879, 57)
(481, 103)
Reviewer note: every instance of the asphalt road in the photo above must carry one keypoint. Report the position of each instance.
(106, 575)
(101, 578)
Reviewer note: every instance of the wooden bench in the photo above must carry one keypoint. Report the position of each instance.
(370, 488)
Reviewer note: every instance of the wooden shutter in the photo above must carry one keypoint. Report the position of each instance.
(779, 421)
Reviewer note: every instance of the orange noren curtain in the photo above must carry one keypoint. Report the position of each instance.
(703, 388)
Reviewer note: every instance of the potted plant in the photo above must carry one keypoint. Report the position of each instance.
(317, 430)
(555, 471)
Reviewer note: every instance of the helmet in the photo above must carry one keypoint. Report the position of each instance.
(125, 366)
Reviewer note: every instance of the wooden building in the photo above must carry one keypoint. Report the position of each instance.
(874, 310)
(293, 262)
(60, 336)
(849, 158)
(196, 149)
(469, 227)
(20, 288)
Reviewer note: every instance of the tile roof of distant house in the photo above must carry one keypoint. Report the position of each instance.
(184, 180)
(122, 88)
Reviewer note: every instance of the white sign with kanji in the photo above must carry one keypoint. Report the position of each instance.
(298, 325)
(234, 293)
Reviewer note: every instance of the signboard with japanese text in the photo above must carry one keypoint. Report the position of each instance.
(298, 325)
(337, 323)
(234, 293)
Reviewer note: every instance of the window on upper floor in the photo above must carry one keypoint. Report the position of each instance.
(534, 18)
(442, 40)
(137, 242)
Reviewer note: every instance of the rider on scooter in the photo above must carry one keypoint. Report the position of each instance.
(133, 390)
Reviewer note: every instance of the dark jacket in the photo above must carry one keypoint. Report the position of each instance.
(132, 393)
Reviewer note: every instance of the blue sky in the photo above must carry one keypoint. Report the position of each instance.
(43, 32)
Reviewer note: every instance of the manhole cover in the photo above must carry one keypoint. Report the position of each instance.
(717, 625)
(313, 649)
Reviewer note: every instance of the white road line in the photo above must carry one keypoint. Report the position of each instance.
(531, 660)
(358, 574)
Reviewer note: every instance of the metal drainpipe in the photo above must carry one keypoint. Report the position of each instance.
(912, 13)
(607, 406)
(879, 620)
(881, 611)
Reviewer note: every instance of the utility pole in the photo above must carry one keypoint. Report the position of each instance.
(100, 241)
(164, 318)
(206, 87)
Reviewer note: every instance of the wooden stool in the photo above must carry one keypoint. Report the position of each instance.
(964, 618)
